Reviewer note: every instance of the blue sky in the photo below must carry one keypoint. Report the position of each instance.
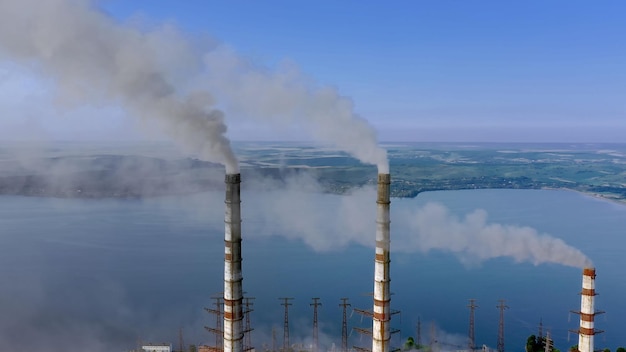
(432, 70)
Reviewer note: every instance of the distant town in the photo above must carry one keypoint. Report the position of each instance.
(598, 170)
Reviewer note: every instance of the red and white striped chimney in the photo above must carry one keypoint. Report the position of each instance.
(382, 298)
(586, 331)
(233, 291)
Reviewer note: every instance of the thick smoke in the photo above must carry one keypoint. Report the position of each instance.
(286, 96)
(474, 239)
(415, 228)
(92, 59)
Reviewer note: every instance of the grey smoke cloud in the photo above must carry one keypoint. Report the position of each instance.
(473, 237)
(286, 96)
(349, 219)
(93, 60)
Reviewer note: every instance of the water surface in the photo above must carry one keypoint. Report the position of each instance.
(105, 273)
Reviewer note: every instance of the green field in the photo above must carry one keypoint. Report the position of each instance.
(598, 169)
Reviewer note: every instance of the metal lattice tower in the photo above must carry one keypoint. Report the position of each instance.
(286, 304)
(471, 341)
(218, 331)
(344, 324)
(315, 304)
(540, 335)
(502, 307)
(247, 326)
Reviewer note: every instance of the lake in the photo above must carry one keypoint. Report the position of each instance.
(105, 274)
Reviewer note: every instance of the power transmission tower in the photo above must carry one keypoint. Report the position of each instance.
(218, 331)
(344, 324)
(248, 328)
(540, 336)
(315, 304)
(502, 307)
(471, 342)
(286, 304)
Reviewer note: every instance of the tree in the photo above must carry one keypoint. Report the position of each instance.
(535, 344)
(410, 344)
(620, 349)
(530, 343)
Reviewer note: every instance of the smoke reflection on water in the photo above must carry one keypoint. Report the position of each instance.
(110, 270)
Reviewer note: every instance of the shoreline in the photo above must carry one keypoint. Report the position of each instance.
(620, 201)
(598, 196)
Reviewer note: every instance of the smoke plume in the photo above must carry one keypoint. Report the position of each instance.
(474, 238)
(286, 96)
(415, 228)
(92, 59)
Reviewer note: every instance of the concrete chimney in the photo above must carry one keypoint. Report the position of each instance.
(233, 292)
(382, 298)
(587, 330)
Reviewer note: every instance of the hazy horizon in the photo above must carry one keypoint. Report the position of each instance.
(434, 72)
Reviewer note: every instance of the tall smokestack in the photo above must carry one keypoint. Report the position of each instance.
(586, 331)
(382, 298)
(233, 292)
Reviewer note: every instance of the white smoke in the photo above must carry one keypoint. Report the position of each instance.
(440, 340)
(348, 219)
(286, 96)
(474, 238)
(92, 59)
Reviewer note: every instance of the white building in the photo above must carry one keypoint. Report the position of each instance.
(157, 347)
